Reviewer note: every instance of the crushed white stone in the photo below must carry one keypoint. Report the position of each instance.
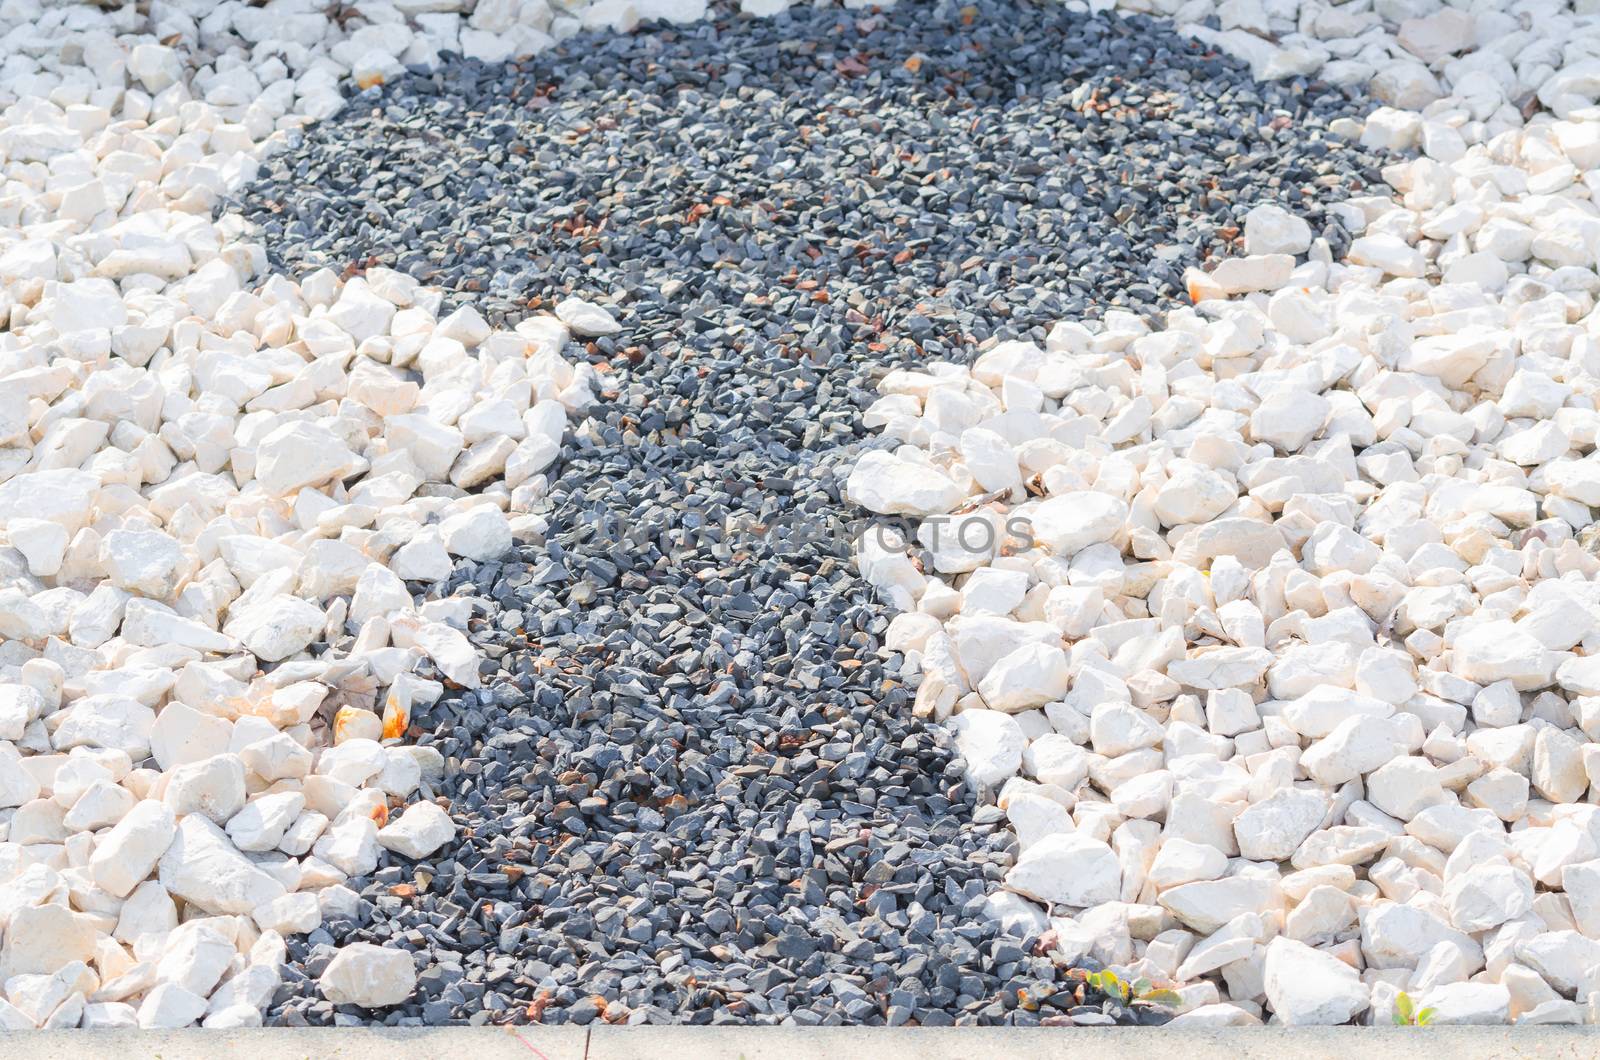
(214, 484)
(1285, 675)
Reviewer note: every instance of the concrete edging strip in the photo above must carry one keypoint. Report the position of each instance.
(804, 1043)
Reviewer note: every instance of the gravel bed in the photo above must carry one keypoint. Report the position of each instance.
(691, 790)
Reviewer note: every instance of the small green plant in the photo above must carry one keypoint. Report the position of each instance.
(1112, 985)
(1406, 1013)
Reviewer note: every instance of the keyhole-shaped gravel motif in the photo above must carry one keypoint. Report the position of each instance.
(693, 789)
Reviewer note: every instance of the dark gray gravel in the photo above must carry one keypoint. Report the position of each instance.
(692, 790)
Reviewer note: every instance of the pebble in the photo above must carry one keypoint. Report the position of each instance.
(369, 976)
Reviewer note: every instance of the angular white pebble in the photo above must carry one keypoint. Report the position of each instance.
(369, 976)
(418, 832)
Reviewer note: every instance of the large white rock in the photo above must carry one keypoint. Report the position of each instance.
(586, 318)
(276, 627)
(1271, 830)
(260, 825)
(20, 705)
(1070, 869)
(992, 744)
(361, 313)
(205, 869)
(182, 735)
(1581, 882)
(42, 939)
(883, 483)
(302, 454)
(480, 533)
(169, 1007)
(379, 593)
(1180, 861)
(1499, 651)
(1356, 745)
(1438, 35)
(431, 445)
(1256, 272)
(149, 909)
(100, 805)
(1564, 958)
(42, 543)
(1270, 229)
(451, 652)
(63, 495)
(1194, 494)
(1486, 896)
(1403, 787)
(153, 625)
(156, 66)
(213, 786)
(1071, 522)
(1221, 668)
(1029, 677)
(1393, 935)
(1467, 1004)
(1288, 419)
(1208, 904)
(991, 459)
(1321, 710)
(423, 558)
(125, 855)
(276, 757)
(194, 957)
(1252, 541)
(351, 846)
(421, 830)
(369, 976)
(1310, 988)
(147, 562)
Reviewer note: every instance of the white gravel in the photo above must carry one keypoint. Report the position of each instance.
(1271, 628)
(207, 473)
(1294, 705)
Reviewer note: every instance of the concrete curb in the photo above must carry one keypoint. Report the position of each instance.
(822, 1043)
